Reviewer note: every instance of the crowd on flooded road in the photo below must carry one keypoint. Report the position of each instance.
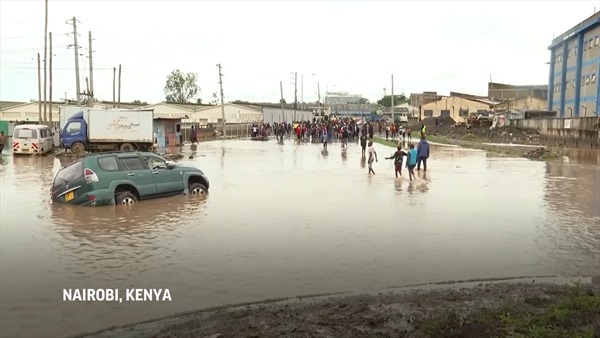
(347, 130)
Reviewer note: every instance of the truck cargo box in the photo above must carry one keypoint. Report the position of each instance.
(120, 125)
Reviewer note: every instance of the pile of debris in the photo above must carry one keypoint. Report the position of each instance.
(541, 154)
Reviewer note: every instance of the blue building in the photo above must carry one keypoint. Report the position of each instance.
(573, 89)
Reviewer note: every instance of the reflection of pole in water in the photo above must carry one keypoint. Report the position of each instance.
(222, 157)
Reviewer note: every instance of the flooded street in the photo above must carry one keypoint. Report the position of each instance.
(286, 220)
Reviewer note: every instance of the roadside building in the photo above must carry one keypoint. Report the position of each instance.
(456, 107)
(15, 113)
(521, 104)
(168, 131)
(505, 92)
(574, 70)
(420, 99)
(234, 114)
(273, 114)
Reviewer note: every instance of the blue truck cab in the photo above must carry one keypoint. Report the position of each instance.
(74, 133)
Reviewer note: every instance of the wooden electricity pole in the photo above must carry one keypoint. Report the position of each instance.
(119, 97)
(222, 100)
(39, 90)
(392, 99)
(281, 101)
(51, 121)
(45, 62)
(91, 89)
(114, 86)
(295, 95)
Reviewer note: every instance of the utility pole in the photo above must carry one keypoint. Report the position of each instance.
(319, 96)
(119, 97)
(39, 90)
(114, 86)
(45, 61)
(393, 121)
(91, 89)
(222, 100)
(50, 83)
(295, 95)
(281, 101)
(302, 93)
(76, 51)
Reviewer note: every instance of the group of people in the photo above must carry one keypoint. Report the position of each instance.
(414, 158)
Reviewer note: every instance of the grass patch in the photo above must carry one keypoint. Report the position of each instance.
(575, 313)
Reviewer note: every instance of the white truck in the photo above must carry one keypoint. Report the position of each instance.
(108, 130)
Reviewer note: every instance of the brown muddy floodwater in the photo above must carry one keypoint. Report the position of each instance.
(285, 220)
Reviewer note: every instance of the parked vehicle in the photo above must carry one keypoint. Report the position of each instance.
(32, 139)
(124, 178)
(109, 130)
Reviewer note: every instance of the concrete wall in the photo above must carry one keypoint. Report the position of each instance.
(453, 105)
(233, 114)
(274, 115)
(527, 103)
(580, 132)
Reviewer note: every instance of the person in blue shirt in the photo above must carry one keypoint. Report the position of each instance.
(411, 161)
(422, 153)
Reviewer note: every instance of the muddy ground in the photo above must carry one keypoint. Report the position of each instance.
(508, 134)
(483, 310)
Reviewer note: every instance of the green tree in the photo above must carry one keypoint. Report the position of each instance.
(386, 101)
(181, 87)
(282, 101)
(363, 101)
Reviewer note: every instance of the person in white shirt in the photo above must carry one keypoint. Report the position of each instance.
(372, 157)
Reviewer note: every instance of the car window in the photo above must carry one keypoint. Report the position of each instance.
(74, 127)
(68, 174)
(133, 163)
(25, 133)
(108, 163)
(155, 162)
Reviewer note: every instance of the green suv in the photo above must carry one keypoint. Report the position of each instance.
(124, 178)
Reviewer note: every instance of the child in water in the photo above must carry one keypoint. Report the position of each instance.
(397, 157)
(411, 161)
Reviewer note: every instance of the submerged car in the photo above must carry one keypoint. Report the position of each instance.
(124, 178)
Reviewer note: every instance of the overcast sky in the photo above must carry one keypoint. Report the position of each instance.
(351, 46)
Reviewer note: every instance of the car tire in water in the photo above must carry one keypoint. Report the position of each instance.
(197, 189)
(78, 148)
(125, 198)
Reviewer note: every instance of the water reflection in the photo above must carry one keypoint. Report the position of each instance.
(288, 220)
(363, 161)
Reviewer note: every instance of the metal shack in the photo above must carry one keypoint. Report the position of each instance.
(168, 132)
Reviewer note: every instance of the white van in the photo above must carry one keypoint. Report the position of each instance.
(32, 139)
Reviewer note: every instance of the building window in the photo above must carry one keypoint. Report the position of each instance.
(597, 42)
(583, 81)
(593, 79)
(585, 45)
(575, 53)
(567, 84)
(573, 83)
(587, 80)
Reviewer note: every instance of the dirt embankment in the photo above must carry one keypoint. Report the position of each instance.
(448, 128)
(483, 310)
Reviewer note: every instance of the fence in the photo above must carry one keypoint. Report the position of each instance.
(577, 132)
(209, 132)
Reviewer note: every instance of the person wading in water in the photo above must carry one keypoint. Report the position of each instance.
(397, 157)
(372, 157)
(363, 144)
(411, 161)
(3, 141)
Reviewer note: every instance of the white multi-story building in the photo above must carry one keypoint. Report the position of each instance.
(342, 98)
